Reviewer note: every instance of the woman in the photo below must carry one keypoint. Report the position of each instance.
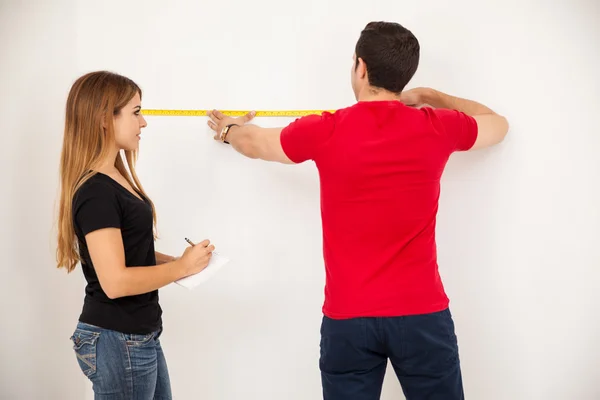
(107, 222)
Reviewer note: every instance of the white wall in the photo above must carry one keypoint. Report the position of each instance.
(39, 304)
(517, 223)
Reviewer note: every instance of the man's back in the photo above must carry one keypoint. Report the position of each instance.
(380, 164)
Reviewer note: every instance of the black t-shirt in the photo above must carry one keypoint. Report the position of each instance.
(102, 202)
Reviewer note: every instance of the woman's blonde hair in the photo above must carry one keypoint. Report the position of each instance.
(89, 137)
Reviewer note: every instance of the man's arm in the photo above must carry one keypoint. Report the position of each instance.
(300, 141)
(251, 141)
(259, 143)
(491, 127)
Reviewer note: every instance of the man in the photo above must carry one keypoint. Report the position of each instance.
(380, 162)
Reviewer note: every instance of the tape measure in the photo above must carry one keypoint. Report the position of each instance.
(233, 113)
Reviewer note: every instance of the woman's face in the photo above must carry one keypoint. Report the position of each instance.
(128, 125)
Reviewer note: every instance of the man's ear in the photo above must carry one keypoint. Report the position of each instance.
(361, 68)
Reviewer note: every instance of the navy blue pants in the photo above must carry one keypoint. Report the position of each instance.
(422, 349)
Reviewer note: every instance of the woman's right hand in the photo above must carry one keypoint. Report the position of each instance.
(196, 258)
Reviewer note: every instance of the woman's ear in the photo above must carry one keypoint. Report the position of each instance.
(106, 119)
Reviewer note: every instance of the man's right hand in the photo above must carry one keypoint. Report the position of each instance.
(414, 97)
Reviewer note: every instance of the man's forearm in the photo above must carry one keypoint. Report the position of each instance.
(442, 100)
(241, 139)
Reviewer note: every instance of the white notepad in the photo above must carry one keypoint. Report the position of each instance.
(214, 265)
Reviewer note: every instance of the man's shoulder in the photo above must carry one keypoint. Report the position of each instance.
(340, 114)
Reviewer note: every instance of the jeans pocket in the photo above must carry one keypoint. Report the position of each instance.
(84, 345)
(132, 339)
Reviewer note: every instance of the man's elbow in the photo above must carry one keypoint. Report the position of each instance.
(499, 130)
(504, 127)
(492, 129)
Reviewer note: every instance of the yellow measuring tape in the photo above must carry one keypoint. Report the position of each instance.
(233, 113)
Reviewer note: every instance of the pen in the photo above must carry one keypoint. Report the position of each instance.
(192, 244)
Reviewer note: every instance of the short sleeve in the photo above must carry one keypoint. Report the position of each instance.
(96, 207)
(302, 139)
(459, 128)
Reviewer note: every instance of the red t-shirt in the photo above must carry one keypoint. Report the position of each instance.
(380, 164)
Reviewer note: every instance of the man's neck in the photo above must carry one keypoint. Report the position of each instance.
(372, 94)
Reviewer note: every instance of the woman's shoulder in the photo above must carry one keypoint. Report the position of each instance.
(95, 186)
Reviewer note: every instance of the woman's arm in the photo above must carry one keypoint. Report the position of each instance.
(117, 280)
(108, 256)
(164, 258)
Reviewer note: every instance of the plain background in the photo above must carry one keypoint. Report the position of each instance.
(518, 224)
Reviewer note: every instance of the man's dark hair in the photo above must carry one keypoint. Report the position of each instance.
(391, 54)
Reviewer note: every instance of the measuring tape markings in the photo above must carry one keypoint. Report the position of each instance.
(233, 113)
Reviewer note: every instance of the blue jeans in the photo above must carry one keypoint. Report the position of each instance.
(122, 366)
(422, 349)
